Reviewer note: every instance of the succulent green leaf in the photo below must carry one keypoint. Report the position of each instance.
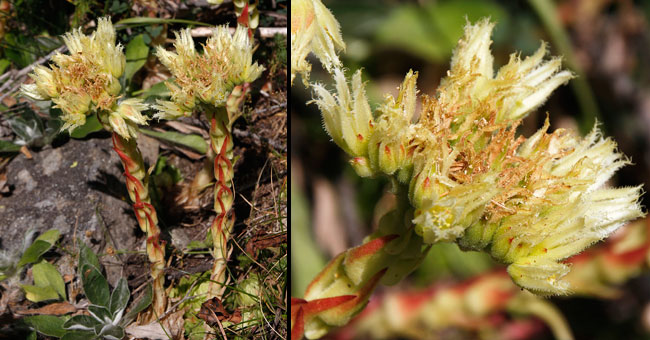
(20, 57)
(95, 286)
(111, 332)
(6, 146)
(81, 323)
(195, 142)
(40, 246)
(46, 324)
(136, 56)
(139, 306)
(46, 275)
(79, 335)
(119, 298)
(157, 90)
(87, 257)
(92, 125)
(38, 294)
(100, 313)
(4, 63)
(33, 130)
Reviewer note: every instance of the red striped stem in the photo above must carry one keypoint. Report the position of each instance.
(137, 184)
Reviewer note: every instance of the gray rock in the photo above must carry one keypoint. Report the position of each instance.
(77, 188)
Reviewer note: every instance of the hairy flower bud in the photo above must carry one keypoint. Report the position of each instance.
(74, 107)
(313, 29)
(33, 91)
(169, 110)
(125, 119)
(346, 117)
(45, 81)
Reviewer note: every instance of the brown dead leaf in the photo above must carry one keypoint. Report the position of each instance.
(185, 151)
(186, 128)
(58, 308)
(9, 101)
(151, 331)
(263, 240)
(4, 188)
(267, 87)
(68, 278)
(212, 312)
(26, 152)
(171, 325)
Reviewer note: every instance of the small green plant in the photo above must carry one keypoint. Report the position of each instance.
(107, 316)
(11, 265)
(48, 283)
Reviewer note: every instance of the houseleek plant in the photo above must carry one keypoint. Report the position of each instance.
(86, 82)
(215, 83)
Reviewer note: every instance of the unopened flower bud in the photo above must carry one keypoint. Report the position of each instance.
(114, 86)
(125, 119)
(362, 166)
(33, 91)
(74, 107)
(347, 117)
(45, 81)
(118, 125)
(313, 29)
(169, 110)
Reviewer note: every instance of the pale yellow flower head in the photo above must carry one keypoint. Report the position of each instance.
(313, 29)
(529, 202)
(84, 81)
(208, 77)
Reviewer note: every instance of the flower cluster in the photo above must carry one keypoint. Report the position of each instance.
(209, 77)
(529, 202)
(86, 81)
(313, 29)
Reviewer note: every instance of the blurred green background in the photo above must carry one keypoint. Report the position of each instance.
(605, 42)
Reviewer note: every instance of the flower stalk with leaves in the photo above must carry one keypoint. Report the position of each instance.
(214, 82)
(597, 272)
(475, 305)
(85, 82)
(465, 177)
